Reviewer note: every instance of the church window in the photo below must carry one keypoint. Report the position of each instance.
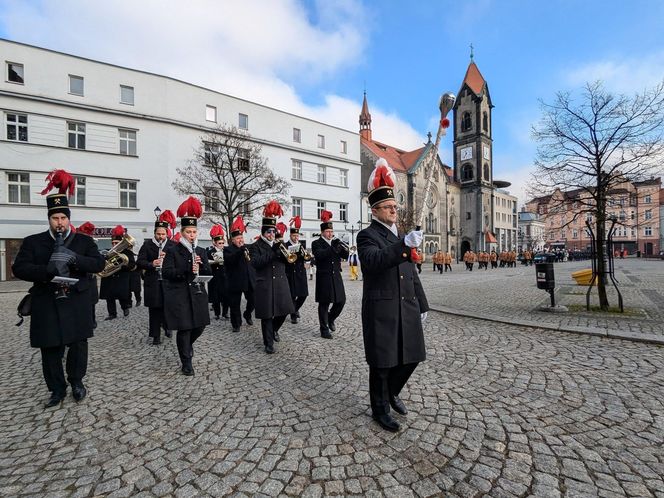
(486, 172)
(466, 122)
(466, 172)
(485, 121)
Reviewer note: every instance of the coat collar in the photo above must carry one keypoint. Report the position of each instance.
(384, 231)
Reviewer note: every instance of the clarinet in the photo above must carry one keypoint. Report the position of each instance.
(197, 285)
(161, 260)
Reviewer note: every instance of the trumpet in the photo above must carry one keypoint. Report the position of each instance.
(290, 257)
(306, 255)
(340, 246)
(115, 260)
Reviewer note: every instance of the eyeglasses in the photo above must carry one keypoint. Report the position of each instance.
(392, 207)
(270, 230)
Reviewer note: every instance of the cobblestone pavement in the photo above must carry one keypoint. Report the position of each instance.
(512, 293)
(496, 410)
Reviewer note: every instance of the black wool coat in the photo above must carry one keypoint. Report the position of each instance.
(135, 278)
(329, 283)
(297, 276)
(392, 299)
(216, 286)
(184, 309)
(240, 274)
(153, 290)
(56, 322)
(272, 294)
(118, 286)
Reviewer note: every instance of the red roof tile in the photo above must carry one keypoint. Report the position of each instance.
(399, 160)
(474, 79)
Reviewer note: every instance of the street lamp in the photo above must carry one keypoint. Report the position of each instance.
(353, 229)
(157, 212)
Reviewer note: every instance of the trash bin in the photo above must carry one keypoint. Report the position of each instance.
(545, 277)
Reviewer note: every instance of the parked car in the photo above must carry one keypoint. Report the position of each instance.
(544, 257)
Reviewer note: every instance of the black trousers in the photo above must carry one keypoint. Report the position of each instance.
(385, 383)
(327, 314)
(156, 321)
(235, 299)
(77, 366)
(269, 327)
(218, 306)
(447, 266)
(112, 308)
(185, 341)
(298, 301)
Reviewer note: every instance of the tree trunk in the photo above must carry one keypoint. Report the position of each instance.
(600, 249)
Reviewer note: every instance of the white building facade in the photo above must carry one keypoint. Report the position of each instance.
(123, 133)
(506, 219)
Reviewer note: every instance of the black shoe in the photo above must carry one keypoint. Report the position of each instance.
(111, 317)
(125, 311)
(326, 335)
(156, 341)
(79, 392)
(236, 329)
(138, 301)
(168, 333)
(276, 337)
(54, 400)
(386, 421)
(332, 327)
(94, 324)
(216, 317)
(249, 320)
(269, 349)
(398, 405)
(293, 320)
(225, 317)
(188, 370)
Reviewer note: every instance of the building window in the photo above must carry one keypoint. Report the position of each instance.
(211, 113)
(296, 170)
(633, 232)
(485, 121)
(648, 214)
(647, 231)
(647, 199)
(76, 134)
(486, 174)
(243, 121)
(466, 122)
(211, 199)
(76, 86)
(575, 234)
(78, 199)
(321, 141)
(126, 94)
(17, 127)
(243, 159)
(127, 142)
(344, 147)
(401, 198)
(320, 207)
(297, 135)
(297, 207)
(343, 212)
(211, 154)
(466, 172)
(127, 194)
(468, 215)
(343, 177)
(15, 73)
(18, 188)
(321, 174)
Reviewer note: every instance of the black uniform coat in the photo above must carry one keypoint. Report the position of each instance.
(240, 274)
(135, 279)
(329, 284)
(62, 321)
(153, 288)
(392, 299)
(184, 310)
(297, 276)
(272, 294)
(117, 286)
(216, 286)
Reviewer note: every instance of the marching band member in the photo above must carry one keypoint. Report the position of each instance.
(61, 315)
(273, 299)
(217, 286)
(297, 273)
(353, 261)
(118, 286)
(393, 301)
(135, 285)
(88, 229)
(150, 260)
(328, 253)
(240, 275)
(185, 302)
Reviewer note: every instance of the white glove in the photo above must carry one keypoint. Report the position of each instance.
(414, 238)
(423, 316)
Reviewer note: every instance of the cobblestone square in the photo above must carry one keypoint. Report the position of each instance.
(496, 410)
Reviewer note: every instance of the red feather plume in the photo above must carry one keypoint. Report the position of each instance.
(169, 233)
(190, 207)
(118, 231)
(168, 217)
(238, 225)
(216, 231)
(177, 237)
(273, 210)
(282, 228)
(382, 177)
(325, 216)
(296, 222)
(87, 228)
(60, 179)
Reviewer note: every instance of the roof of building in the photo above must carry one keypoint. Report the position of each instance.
(474, 78)
(365, 115)
(651, 181)
(399, 160)
(528, 216)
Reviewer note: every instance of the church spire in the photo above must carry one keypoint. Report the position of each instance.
(365, 120)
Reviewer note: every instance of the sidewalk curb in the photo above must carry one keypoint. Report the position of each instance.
(594, 331)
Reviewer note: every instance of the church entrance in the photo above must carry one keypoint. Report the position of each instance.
(465, 247)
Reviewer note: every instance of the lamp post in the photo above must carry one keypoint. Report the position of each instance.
(353, 229)
(157, 212)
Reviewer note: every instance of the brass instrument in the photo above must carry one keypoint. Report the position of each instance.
(290, 257)
(306, 255)
(115, 260)
(339, 246)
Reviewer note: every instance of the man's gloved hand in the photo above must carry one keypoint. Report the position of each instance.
(414, 238)
(59, 262)
(71, 256)
(423, 316)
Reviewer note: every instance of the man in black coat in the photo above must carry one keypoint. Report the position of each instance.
(393, 305)
(240, 275)
(328, 253)
(150, 259)
(118, 285)
(217, 286)
(58, 322)
(297, 272)
(273, 300)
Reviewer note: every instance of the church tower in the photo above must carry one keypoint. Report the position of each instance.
(365, 120)
(473, 160)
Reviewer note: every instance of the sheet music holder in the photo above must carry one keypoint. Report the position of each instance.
(201, 279)
(64, 280)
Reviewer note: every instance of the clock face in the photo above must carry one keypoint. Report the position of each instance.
(486, 152)
(466, 153)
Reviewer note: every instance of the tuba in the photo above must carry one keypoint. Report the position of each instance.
(115, 260)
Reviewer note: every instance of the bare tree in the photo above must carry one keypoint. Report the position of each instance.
(594, 144)
(230, 174)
